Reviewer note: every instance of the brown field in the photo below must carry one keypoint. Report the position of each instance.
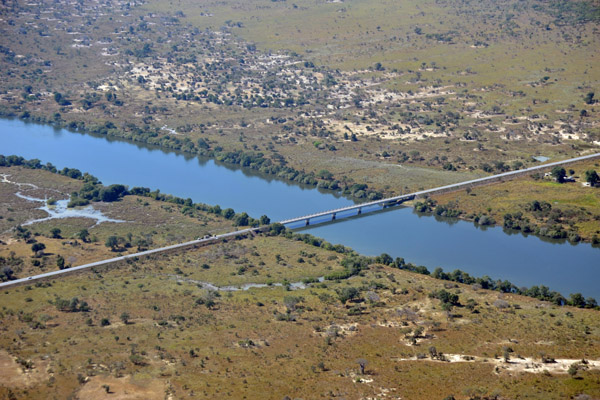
(158, 223)
(496, 200)
(273, 342)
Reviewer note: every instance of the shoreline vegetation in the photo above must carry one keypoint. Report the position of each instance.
(94, 191)
(256, 161)
(558, 227)
(361, 99)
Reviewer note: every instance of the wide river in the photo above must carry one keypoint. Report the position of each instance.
(400, 232)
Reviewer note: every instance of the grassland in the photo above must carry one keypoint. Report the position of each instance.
(146, 223)
(398, 95)
(575, 207)
(354, 88)
(166, 335)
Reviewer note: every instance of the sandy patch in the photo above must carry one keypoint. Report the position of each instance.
(121, 389)
(523, 364)
(335, 330)
(13, 374)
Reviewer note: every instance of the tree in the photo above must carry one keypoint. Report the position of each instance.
(433, 352)
(325, 174)
(73, 305)
(84, 235)
(136, 359)
(362, 363)
(38, 247)
(589, 98)
(125, 318)
(7, 274)
(60, 262)
(506, 355)
(208, 299)
(559, 174)
(291, 302)
(592, 177)
(348, 293)
(573, 370)
(55, 232)
(591, 302)
(112, 242)
(577, 300)
(242, 219)
(113, 193)
(228, 213)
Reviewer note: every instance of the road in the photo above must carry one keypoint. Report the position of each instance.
(455, 186)
(133, 256)
(390, 200)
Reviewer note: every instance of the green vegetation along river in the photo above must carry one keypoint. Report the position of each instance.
(400, 232)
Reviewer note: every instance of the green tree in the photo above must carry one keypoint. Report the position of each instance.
(559, 174)
(112, 242)
(84, 235)
(592, 177)
(325, 174)
(125, 318)
(60, 262)
(348, 293)
(7, 274)
(242, 220)
(577, 300)
(55, 233)
(113, 193)
(228, 213)
(589, 98)
(37, 247)
(362, 363)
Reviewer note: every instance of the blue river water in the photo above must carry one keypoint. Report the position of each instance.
(400, 232)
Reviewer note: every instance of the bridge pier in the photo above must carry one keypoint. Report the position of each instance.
(307, 221)
(333, 217)
(359, 211)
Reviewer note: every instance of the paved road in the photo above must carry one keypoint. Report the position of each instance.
(191, 243)
(455, 186)
(390, 200)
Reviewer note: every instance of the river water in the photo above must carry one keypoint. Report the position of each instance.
(400, 232)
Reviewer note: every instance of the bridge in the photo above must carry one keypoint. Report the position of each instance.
(392, 201)
(388, 202)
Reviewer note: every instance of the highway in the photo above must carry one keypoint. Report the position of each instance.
(306, 218)
(133, 256)
(452, 187)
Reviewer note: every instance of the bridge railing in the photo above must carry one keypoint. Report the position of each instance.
(442, 189)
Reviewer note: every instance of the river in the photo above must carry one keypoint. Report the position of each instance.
(400, 232)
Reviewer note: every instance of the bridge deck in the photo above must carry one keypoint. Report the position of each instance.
(197, 242)
(454, 186)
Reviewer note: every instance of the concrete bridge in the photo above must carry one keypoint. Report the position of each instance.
(392, 201)
(388, 202)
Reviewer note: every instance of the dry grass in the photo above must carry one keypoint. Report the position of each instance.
(162, 223)
(240, 349)
(511, 197)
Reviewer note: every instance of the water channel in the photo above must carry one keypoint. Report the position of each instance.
(400, 232)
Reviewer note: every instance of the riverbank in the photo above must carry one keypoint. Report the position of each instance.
(399, 233)
(71, 249)
(180, 330)
(532, 205)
